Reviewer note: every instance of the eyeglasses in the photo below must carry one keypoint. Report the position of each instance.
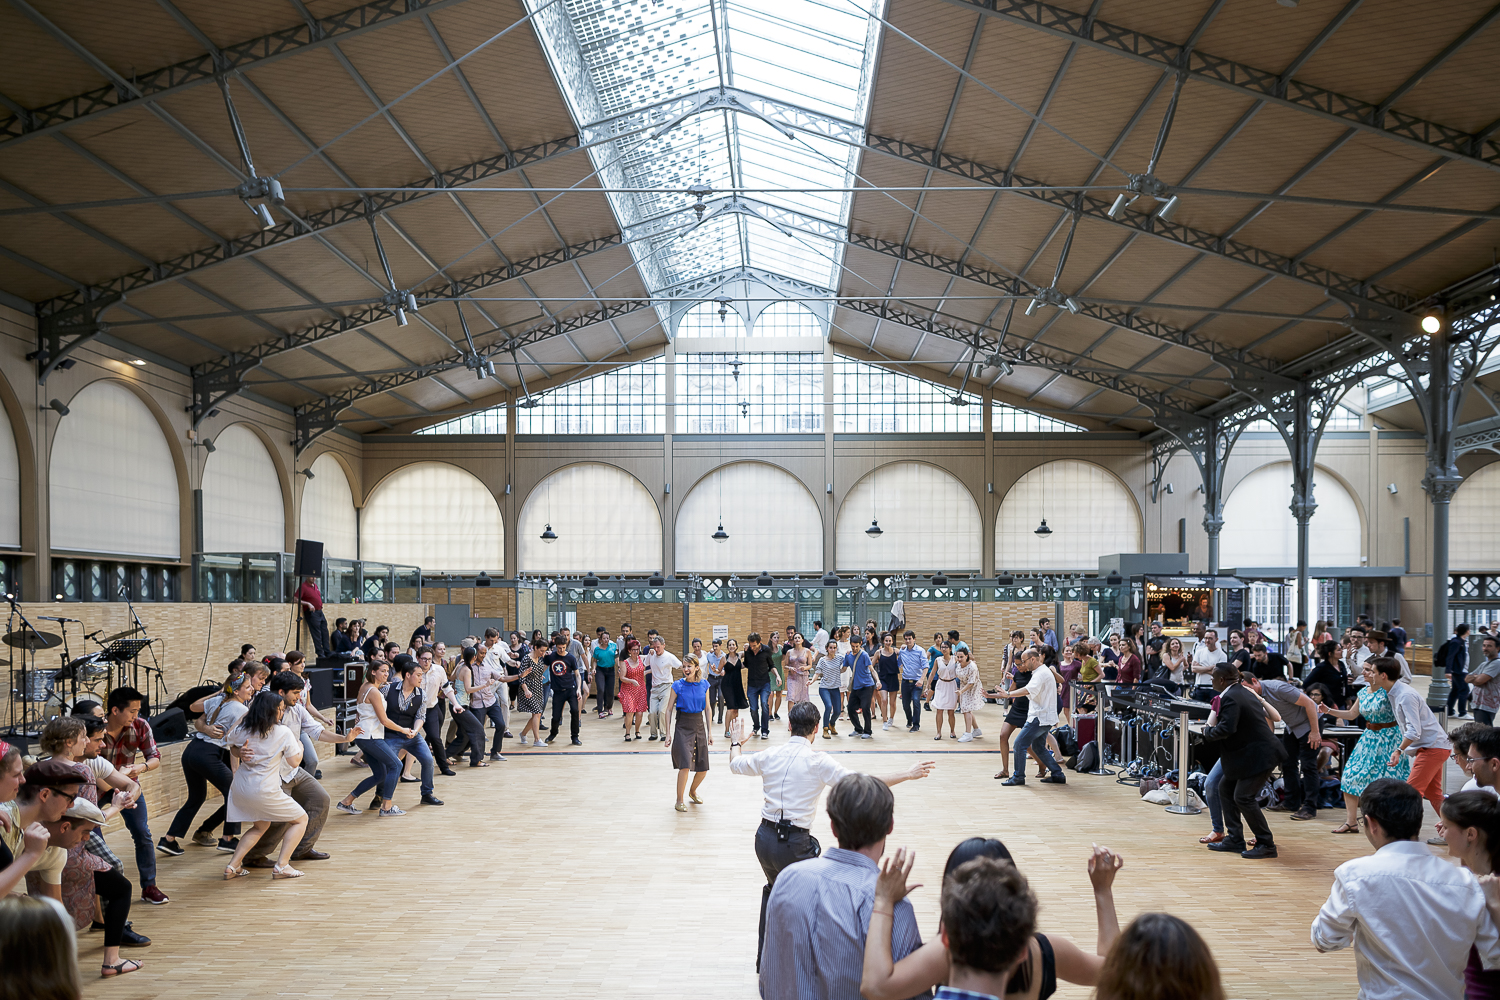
(70, 796)
(1360, 822)
(1475, 760)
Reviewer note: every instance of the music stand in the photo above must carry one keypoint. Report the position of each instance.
(123, 651)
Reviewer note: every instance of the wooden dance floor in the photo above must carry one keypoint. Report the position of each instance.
(566, 872)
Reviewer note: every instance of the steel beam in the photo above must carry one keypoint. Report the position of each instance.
(1248, 81)
(152, 86)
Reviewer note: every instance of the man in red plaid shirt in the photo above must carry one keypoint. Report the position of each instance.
(125, 735)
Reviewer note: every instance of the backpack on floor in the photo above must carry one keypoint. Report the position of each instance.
(1067, 740)
(1087, 760)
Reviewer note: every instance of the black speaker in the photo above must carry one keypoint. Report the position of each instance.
(170, 726)
(320, 684)
(309, 561)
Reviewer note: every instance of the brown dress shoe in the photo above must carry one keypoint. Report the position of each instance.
(259, 863)
(310, 856)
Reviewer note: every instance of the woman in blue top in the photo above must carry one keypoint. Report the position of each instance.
(690, 741)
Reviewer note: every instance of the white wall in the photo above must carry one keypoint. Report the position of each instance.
(435, 516)
(605, 521)
(327, 513)
(1474, 522)
(1090, 513)
(773, 523)
(928, 517)
(113, 484)
(242, 503)
(1259, 529)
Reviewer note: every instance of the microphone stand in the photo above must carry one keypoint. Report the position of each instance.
(159, 685)
(26, 628)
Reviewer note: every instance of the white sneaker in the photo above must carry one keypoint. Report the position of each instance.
(525, 742)
(887, 724)
(539, 743)
(966, 738)
(977, 733)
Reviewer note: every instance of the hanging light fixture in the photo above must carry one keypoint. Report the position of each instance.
(1042, 529)
(549, 536)
(720, 535)
(874, 530)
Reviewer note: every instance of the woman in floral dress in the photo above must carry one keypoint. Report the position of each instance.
(634, 698)
(1372, 754)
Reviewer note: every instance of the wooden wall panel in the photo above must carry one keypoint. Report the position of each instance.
(435, 595)
(607, 613)
(1075, 613)
(703, 617)
(665, 618)
(489, 602)
(461, 596)
(768, 618)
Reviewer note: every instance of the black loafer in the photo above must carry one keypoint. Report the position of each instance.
(1228, 846)
(1055, 779)
(310, 856)
(1015, 779)
(431, 800)
(130, 939)
(1260, 851)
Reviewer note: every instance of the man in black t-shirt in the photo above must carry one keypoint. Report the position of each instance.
(563, 668)
(757, 661)
(423, 635)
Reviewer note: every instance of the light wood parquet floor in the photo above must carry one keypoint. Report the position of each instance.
(567, 873)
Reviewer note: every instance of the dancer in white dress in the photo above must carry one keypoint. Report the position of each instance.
(944, 691)
(269, 753)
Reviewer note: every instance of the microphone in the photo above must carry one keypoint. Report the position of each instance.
(49, 618)
(96, 631)
(122, 590)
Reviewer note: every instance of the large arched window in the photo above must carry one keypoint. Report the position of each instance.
(1474, 522)
(604, 519)
(787, 319)
(113, 485)
(328, 510)
(703, 320)
(435, 516)
(1089, 511)
(1259, 529)
(242, 505)
(772, 521)
(928, 521)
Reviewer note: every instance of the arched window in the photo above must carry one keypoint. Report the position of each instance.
(113, 485)
(1474, 522)
(928, 522)
(434, 516)
(604, 519)
(328, 510)
(1259, 529)
(787, 319)
(242, 505)
(772, 521)
(703, 320)
(1090, 513)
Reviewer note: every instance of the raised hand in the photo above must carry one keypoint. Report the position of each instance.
(890, 885)
(1103, 864)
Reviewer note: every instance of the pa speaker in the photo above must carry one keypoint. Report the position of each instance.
(309, 561)
(170, 726)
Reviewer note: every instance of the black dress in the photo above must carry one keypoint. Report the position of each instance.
(1019, 707)
(733, 687)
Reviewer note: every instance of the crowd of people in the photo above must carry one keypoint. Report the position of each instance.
(419, 710)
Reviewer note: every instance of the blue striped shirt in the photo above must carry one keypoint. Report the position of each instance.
(816, 922)
(913, 663)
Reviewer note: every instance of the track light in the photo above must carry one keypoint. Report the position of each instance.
(1169, 488)
(263, 213)
(401, 317)
(1033, 306)
(874, 530)
(548, 535)
(308, 473)
(720, 535)
(66, 364)
(1118, 208)
(1392, 489)
(59, 406)
(1074, 306)
(208, 445)
(1164, 213)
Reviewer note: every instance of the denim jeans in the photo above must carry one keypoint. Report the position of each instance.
(385, 768)
(1484, 717)
(417, 747)
(830, 698)
(911, 701)
(1034, 732)
(140, 831)
(760, 707)
(1211, 795)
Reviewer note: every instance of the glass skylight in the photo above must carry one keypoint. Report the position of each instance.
(618, 61)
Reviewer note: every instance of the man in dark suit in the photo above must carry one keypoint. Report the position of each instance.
(1250, 752)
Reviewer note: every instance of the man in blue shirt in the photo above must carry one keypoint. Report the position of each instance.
(861, 690)
(913, 664)
(1048, 636)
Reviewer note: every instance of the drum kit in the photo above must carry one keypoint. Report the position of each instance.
(57, 691)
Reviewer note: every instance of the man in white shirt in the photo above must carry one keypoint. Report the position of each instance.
(793, 776)
(820, 638)
(498, 661)
(1410, 915)
(1206, 656)
(1042, 716)
(662, 663)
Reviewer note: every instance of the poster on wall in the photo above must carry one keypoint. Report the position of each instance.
(721, 633)
(1116, 627)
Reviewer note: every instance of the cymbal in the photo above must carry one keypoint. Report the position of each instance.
(28, 639)
(123, 635)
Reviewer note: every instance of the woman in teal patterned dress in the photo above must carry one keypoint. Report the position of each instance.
(1372, 754)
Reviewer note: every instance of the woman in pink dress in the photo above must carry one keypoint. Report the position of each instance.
(796, 663)
(634, 698)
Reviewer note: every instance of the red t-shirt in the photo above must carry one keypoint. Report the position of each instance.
(309, 592)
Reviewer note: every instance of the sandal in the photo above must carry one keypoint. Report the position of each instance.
(285, 871)
(1212, 838)
(231, 872)
(110, 971)
(1345, 828)
(1003, 774)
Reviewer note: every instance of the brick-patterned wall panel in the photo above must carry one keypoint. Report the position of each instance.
(187, 648)
(703, 617)
(665, 618)
(461, 596)
(927, 617)
(1074, 613)
(607, 613)
(434, 595)
(489, 602)
(768, 618)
